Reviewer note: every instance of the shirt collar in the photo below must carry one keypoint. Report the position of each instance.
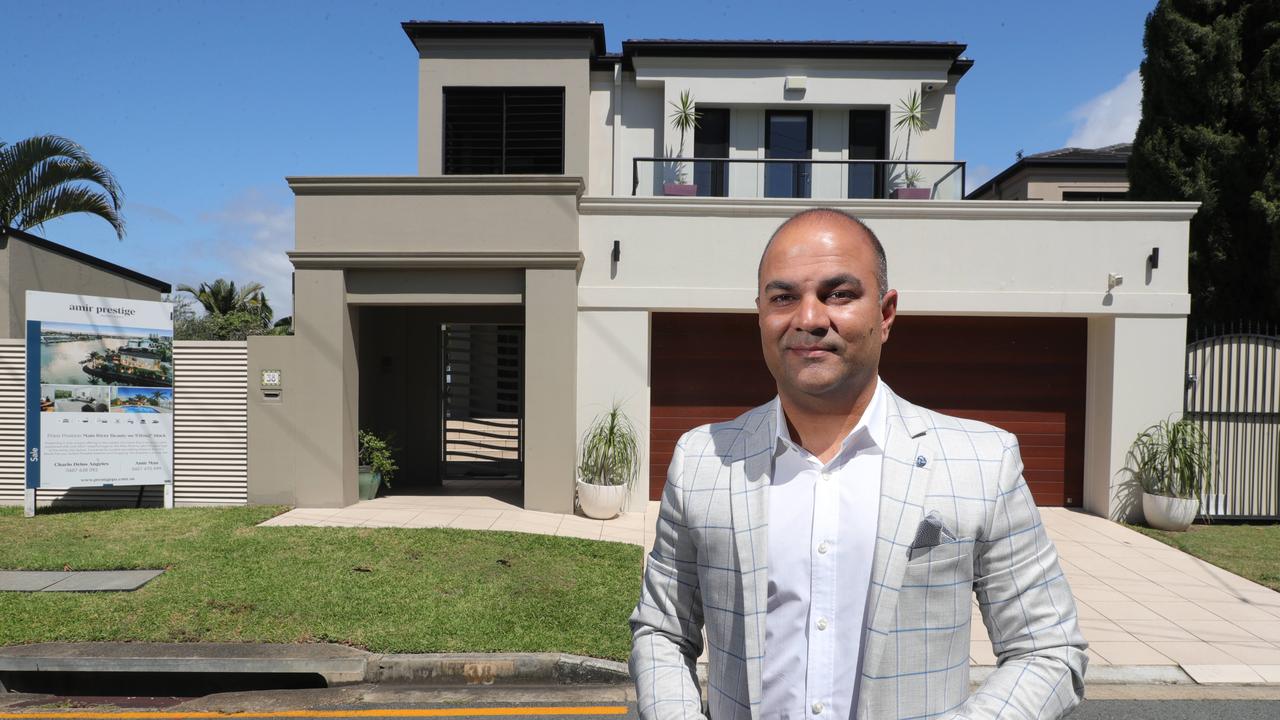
(872, 420)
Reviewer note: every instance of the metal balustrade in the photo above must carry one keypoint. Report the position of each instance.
(797, 178)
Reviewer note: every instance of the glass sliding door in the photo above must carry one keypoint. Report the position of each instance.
(868, 137)
(711, 140)
(788, 134)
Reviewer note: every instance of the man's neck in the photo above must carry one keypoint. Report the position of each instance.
(820, 424)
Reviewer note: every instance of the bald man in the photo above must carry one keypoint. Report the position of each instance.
(831, 540)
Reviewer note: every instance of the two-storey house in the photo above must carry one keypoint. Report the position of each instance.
(562, 249)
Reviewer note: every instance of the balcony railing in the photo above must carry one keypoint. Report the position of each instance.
(800, 178)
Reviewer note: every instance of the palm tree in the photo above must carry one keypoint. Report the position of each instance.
(222, 297)
(48, 176)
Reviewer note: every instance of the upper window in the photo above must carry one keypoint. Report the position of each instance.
(503, 131)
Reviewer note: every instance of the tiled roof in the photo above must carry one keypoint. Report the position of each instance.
(1111, 156)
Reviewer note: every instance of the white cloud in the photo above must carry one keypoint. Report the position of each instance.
(252, 233)
(1109, 118)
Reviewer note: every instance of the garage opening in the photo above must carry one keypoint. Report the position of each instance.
(444, 384)
(1026, 375)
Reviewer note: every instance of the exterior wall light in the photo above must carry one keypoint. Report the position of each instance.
(794, 82)
(1154, 258)
(617, 250)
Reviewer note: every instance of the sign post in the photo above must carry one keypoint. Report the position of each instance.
(99, 394)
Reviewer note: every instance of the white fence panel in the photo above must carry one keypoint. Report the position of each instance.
(210, 426)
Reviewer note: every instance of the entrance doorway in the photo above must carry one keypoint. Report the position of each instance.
(444, 384)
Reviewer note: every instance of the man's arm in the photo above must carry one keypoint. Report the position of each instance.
(666, 626)
(1028, 609)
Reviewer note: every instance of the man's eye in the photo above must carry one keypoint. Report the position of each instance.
(843, 295)
(781, 298)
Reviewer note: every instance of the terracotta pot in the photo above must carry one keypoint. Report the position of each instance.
(680, 189)
(601, 502)
(907, 193)
(1169, 513)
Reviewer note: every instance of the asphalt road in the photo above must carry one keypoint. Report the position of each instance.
(370, 702)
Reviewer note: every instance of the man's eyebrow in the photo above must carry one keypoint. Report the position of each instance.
(782, 285)
(836, 281)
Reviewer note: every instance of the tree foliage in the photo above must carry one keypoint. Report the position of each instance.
(1210, 132)
(230, 312)
(48, 176)
(222, 297)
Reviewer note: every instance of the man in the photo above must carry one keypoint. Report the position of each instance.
(831, 540)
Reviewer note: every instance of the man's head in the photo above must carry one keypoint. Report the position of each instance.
(825, 307)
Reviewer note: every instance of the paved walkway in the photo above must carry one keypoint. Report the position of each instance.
(80, 581)
(1141, 602)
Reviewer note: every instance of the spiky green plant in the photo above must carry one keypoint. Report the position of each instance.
(222, 297)
(910, 117)
(684, 117)
(48, 176)
(610, 450)
(1173, 458)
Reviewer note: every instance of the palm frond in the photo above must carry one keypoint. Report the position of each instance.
(35, 170)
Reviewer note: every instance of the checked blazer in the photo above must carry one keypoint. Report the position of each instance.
(708, 569)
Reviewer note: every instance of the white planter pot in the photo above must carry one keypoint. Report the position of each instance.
(1169, 513)
(601, 502)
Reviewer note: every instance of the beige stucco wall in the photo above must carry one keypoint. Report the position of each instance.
(274, 439)
(417, 241)
(525, 62)
(24, 266)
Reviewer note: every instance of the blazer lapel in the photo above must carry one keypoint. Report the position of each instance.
(749, 480)
(908, 462)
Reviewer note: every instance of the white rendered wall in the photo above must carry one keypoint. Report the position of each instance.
(613, 364)
(962, 258)
(1135, 378)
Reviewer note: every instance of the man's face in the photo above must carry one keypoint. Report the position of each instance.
(822, 321)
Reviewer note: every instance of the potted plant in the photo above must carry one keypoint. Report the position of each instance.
(376, 464)
(609, 465)
(910, 117)
(1172, 463)
(684, 117)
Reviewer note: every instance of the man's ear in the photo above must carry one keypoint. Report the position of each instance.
(888, 313)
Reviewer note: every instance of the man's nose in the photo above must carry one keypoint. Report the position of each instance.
(811, 315)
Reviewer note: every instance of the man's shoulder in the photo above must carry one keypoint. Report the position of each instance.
(722, 438)
(952, 432)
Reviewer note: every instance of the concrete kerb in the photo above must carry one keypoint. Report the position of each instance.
(342, 665)
(337, 664)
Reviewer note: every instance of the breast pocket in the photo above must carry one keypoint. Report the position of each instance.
(934, 605)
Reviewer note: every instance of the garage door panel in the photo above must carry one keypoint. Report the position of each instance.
(1025, 375)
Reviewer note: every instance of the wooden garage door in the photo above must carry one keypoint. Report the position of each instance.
(1026, 375)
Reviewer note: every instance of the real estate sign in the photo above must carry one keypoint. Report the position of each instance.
(99, 393)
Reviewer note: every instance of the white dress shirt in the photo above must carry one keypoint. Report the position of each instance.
(822, 531)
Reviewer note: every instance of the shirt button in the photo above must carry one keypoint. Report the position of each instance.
(822, 623)
(822, 548)
(826, 476)
(817, 708)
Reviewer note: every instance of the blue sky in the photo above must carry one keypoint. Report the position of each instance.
(202, 109)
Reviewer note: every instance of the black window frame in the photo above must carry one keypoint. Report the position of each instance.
(716, 172)
(879, 184)
(503, 90)
(800, 170)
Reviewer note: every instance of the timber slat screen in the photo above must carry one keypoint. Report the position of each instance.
(1233, 392)
(482, 401)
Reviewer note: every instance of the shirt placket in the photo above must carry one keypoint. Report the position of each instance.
(823, 550)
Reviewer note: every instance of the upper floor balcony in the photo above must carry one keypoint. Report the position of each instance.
(797, 178)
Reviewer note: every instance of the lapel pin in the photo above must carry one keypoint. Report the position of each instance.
(920, 461)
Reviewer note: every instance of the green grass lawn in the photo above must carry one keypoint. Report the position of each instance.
(1251, 551)
(386, 590)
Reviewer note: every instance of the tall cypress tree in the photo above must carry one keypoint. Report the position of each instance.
(1210, 132)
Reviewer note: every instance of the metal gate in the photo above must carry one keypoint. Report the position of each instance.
(482, 402)
(1233, 392)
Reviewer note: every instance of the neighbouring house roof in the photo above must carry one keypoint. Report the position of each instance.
(53, 247)
(1111, 156)
(664, 47)
(554, 29)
